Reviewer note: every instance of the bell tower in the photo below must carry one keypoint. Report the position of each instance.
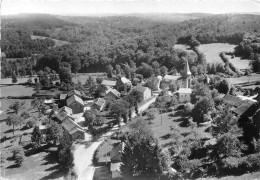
(186, 75)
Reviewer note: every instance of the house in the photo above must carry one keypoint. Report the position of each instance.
(63, 97)
(99, 104)
(74, 92)
(116, 158)
(126, 81)
(76, 104)
(74, 129)
(66, 110)
(61, 116)
(109, 83)
(42, 129)
(146, 92)
(112, 93)
(184, 94)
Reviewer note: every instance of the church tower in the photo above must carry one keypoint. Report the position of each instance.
(186, 75)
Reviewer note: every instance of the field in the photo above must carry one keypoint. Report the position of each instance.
(245, 79)
(9, 80)
(212, 51)
(57, 42)
(82, 77)
(16, 90)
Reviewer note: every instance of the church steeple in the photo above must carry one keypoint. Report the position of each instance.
(186, 70)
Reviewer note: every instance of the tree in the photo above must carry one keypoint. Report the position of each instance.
(199, 90)
(36, 137)
(172, 87)
(36, 103)
(152, 83)
(90, 117)
(13, 120)
(119, 109)
(16, 107)
(18, 155)
(202, 107)
(65, 75)
(100, 91)
(54, 133)
(75, 65)
(14, 78)
(65, 158)
(109, 71)
(141, 157)
(223, 86)
(163, 70)
(66, 65)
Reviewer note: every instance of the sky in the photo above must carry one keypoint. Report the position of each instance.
(95, 7)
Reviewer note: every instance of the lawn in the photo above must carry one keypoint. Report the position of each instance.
(212, 51)
(175, 119)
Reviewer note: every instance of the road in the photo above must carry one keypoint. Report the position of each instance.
(83, 157)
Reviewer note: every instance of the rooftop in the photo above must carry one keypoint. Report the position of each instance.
(170, 78)
(65, 109)
(74, 98)
(185, 90)
(100, 101)
(115, 166)
(74, 92)
(63, 96)
(243, 107)
(108, 83)
(125, 80)
(117, 150)
(234, 100)
(140, 88)
(114, 91)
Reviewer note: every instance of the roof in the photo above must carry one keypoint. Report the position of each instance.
(185, 90)
(170, 78)
(75, 129)
(41, 127)
(100, 102)
(48, 101)
(65, 109)
(140, 88)
(232, 100)
(115, 166)
(108, 83)
(69, 124)
(73, 99)
(61, 116)
(252, 98)
(125, 80)
(243, 107)
(114, 91)
(117, 150)
(63, 96)
(74, 92)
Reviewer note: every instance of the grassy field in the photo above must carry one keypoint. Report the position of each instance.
(9, 80)
(212, 51)
(57, 42)
(16, 90)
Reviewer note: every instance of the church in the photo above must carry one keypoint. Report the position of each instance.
(182, 82)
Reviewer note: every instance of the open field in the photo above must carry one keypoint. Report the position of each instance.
(9, 80)
(16, 90)
(57, 42)
(212, 51)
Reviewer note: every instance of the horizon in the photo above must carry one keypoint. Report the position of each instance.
(124, 7)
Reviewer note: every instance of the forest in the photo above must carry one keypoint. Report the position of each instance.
(97, 42)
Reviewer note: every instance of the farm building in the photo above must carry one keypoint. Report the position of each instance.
(76, 104)
(112, 93)
(109, 83)
(184, 94)
(99, 104)
(146, 92)
(74, 92)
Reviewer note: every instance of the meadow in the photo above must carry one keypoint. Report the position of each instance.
(16, 90)
(212, 51)
(57, 42)
(82, 77)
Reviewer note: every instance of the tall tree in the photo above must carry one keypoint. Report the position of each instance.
(13, 120)
(36, 137)
(65, 75)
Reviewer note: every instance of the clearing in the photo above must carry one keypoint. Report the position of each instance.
(82, 77)
(57, 42)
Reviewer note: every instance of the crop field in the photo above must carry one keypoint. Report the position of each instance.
(57, 42)
(212, 51)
